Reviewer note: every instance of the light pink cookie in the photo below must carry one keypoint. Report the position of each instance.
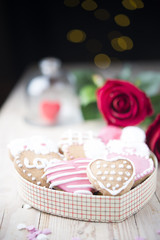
(114, 177)
(110, 132)
(138, 153)
(69, 176)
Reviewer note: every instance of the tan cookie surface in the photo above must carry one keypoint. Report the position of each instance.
(31, 166)
(111, 178)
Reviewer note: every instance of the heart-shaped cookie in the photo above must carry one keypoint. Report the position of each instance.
(138, 153)
(114, 177)
(69, 176)
(32, 155)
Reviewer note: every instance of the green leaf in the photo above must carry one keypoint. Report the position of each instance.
(149, 82)
(90, 111)
(88, 94)
(80, 78)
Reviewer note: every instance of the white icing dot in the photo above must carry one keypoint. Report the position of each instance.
(24, 170)
(106, 172)
(127, 173)
(120, 173)
(33, 178)
(108, 185)
(119, 179)
(98, 162)
(99, 173)
(29, 174)
(98, 166)
(117, 186)
(111, 178)
(112, 172)
(18, 161)
(103, 177)
(105, 165)
(125, 178)
(20, 165)
(38, 183)
(128, 167)
(113, 166)
(121, 165)
(124, 162)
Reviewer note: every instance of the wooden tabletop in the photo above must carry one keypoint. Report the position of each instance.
(144, 224)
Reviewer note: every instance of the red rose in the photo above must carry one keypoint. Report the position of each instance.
(122, 103)
(153, 137)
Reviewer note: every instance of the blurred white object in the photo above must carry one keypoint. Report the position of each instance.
(133, 134)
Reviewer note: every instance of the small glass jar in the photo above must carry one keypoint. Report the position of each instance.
(50, 98)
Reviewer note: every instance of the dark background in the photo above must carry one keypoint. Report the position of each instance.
(33, 30)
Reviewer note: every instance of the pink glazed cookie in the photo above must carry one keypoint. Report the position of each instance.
(139, 154)
(69, 176)
(110, 132)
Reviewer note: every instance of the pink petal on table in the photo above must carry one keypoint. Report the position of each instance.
(46, 231)
(158, 232)
(31, 228)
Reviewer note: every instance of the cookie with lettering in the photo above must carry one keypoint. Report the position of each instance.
(137, 152)
(81, 145)
(69, 176)
(112, 178)
(31, 159)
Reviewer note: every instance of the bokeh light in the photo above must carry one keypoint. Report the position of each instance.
(89, 5)
(102, 60)
(114, 34)
(71, 3)
(132, 4)
(102, 14)
(122, 20)
(76, 36)
(122, 43)
(93, 45)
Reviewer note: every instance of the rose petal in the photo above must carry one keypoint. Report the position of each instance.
(42, 237)
(46, 231)
(21, 226)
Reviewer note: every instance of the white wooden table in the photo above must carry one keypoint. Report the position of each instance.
(144, 224)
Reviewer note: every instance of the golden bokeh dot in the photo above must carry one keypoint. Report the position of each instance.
(116, 46)
(102, 60)
(128, 41)
(139, 3)
(102, 14)
(121, 44)
(76, 36)
(122, 20)
(71, 3)
(129, 4)
(93, 45)
(89, 5)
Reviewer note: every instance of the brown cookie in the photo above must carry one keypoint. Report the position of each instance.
(81, 145)
(113, 178)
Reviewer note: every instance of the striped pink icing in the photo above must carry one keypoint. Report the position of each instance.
(70, 176)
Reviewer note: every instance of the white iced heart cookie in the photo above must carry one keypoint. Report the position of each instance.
(133, 134)
(113, 177)
(32, 155)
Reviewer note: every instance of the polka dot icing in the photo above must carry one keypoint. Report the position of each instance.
(111, 183)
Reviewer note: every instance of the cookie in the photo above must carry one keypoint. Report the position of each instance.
(110, 132)
(31, 159)
(138, 153)
(69, 176)
(133, 134)
(17, 146)
(112, 178)
(82, 145)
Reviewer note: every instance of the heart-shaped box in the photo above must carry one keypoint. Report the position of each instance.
(94, 208)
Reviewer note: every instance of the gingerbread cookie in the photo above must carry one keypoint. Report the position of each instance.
(112, 178)
(31, 159)
(138, 153)
(69, 176)
(81, 145)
